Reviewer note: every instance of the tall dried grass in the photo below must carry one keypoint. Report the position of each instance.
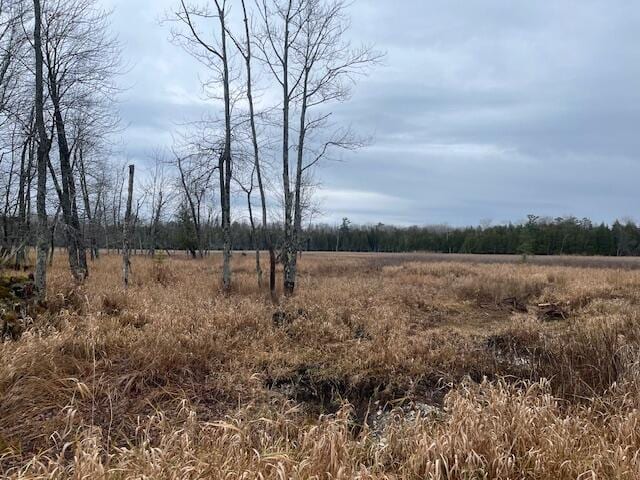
(171, 379)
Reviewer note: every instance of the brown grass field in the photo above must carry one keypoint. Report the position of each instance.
(381, 367)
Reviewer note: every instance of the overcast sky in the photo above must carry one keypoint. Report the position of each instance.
(483, 109)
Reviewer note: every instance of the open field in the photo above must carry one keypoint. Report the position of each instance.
(551, 260)
(381, 367)
(623, 262)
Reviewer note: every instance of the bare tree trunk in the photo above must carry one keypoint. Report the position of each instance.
(22, 207)
(6, 242)
(294, 245)
(225, 163)
(152, 239)
(193, 208)
(254, 240)
(82, 251)
(225, 159)
(87, 204)
(117, 213)
(32, 175)
(266, 235)
(289, 279)
(96, 226)
(54, 225)
(68, 192)
(93, 231)
(42, 244)
(155, 223)
(126, 264)
(106, 232)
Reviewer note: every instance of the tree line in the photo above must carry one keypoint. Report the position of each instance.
(536, 236)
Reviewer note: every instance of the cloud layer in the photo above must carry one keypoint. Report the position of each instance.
(483, 109)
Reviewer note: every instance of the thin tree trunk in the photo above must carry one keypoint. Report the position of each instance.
(253, 239)
(266, 235)
(22, 207)
(155, 223)
(85, 198)
(116, 216)
(126, 264)
(225, 160)
(294, 245)
(96, 216)
(195, 211)
(69, 209)
(7, 204)
(82, 251)
(42, 244)
(32, 175)
(53, 236)
(289, 274)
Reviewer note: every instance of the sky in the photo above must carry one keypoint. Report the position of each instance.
(482, 110)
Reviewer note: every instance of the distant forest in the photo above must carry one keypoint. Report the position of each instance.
(560, 236)
(536, 236)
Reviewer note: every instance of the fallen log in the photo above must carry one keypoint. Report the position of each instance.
(552, 311)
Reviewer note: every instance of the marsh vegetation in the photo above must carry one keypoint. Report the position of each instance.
(381, 366)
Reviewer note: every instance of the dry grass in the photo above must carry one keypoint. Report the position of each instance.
(173, 380)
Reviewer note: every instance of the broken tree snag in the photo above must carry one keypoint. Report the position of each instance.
(126, 242)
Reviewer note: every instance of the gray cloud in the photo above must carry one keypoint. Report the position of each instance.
(483, 108)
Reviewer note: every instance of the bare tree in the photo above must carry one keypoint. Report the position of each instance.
(247, 186)
(24, 191)
(213, 53)
(280, 32)
(13, 55)
(16, 122)
(84, 188)
(158, 189)
(303, 44)
(126, 235)
(42, 156)
(194, 175)
(82, 60)
(10, 175)
(92, 127)
(245, 49)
